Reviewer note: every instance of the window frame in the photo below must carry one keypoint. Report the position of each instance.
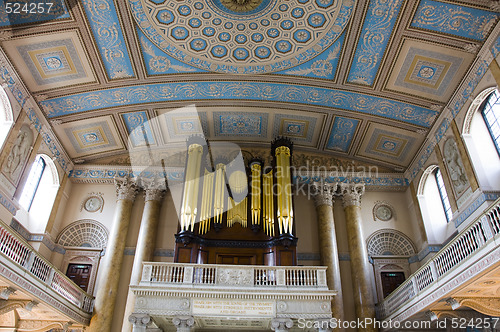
(445, 201)
(39, 162)
(487, 107)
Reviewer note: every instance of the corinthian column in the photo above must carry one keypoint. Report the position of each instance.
(104, 306)
(360, 270)
(323, 198)
(154, 190)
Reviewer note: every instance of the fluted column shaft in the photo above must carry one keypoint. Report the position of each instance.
(144, 250)
(153, 194)
(113, 259)
(323, 199)
(360, 270)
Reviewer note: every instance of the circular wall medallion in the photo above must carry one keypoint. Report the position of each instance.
(93, 204)
(227, 35)
(383, 212)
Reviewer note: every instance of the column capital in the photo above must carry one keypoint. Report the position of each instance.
(183, 323)
(281, 324)
(323, 193)
(154, 188)
(351, 193)
(140, 320)
(126, 188)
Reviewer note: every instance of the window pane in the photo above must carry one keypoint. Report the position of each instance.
(443, 194)
(491, 115)
(32, 183)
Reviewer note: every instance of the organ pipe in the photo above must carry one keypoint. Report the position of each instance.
(191, 187)
(256, 193)
(284, 190)
(220, 184)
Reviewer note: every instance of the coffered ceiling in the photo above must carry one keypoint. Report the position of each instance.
(362, 80)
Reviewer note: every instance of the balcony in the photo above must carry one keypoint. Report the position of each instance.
(231, 296)
(29, 281)
(456, 277)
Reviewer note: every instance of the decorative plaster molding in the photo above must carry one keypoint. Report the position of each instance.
(126, 188)
(323, 193)
(154, 189)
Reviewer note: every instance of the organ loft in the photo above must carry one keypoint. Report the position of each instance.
(232, 213)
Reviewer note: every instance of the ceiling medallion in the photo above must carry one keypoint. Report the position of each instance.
(241, 5)
(242, 36)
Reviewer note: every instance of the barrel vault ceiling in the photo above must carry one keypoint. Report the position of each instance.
(360, 80)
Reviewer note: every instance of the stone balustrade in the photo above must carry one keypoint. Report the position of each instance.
(21, 260)
(155, 273)
(480, 239)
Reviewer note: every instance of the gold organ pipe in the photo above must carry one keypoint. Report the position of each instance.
(268, 222)
(191, 187)
(256, 193)
(219, 193)
(285, 213)
(237, 212)
(206, 203)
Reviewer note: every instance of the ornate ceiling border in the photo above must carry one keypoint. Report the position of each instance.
(12, 82)
(487, 54)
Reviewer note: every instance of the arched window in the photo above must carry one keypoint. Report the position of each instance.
(443, 194)
(491, 116)
(34, 179)
(434, 205)
(481, 132)
(39, 193)
(6, 118)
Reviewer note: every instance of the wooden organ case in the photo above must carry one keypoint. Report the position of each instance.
(231, 215)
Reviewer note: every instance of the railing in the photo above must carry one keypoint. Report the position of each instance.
(15, 248)
(476, 236)
(155, 273)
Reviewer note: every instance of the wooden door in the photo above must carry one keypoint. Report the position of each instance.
(80, 274)
(391, 281)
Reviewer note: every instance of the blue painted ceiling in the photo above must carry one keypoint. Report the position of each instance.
(363, 80)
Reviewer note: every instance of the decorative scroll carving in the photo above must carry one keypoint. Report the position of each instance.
(487, 306)
(281, 324)
(183, 323)
(351, 193)
(9, 305)
(126, 188)
(323, 193)
(140, 320)
(6, 292)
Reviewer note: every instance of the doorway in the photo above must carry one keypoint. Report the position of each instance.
(79, 274)
(391, 281)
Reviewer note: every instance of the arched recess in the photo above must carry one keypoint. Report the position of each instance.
(390, 242)
(84, 241)
(482, 151)
(431, 207)
(6, 116)
(390, 250)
